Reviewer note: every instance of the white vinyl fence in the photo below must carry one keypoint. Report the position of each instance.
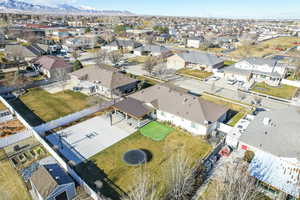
(9, 140)
(291, 83)
(57, 157)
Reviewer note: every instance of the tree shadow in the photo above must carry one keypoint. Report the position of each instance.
(98, 180)
(25, 112)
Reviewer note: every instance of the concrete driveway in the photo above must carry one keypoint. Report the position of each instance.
(198, 87)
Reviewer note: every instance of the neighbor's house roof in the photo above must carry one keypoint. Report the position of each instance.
(281, 137)
(124, 43)
(283, 174)
(48, 177)
(133, 107)
(153, 49)
(178, 102)
(256, 61)
(25, 51)
(105, 76)
(200, 58)
(51, 62)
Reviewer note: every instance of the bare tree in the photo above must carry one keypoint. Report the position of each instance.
(213, 86)
(235, 183)
(180, 177)
(144, 188)
(149, 39)
(149, 64)
(94, 100)
(75, 54)
(114, 57)
(100, 57)
(241, 95)
(257, 100)
(60, 75)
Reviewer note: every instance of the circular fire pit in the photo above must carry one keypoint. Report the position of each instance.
(135, 157)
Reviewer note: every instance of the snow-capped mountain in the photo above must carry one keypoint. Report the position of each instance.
(24, 7)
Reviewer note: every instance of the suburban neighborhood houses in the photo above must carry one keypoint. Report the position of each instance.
(107, 104)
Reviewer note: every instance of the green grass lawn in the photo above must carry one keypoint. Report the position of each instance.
(110, 163)
(236, 118)
(200, 74)
(228, 63)
(47, 106)
(282, 91)
(138, 59)
(156, 131)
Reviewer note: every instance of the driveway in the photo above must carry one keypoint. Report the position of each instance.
(198, 87)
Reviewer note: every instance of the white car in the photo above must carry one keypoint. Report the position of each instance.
(215, 78)
(231, 82)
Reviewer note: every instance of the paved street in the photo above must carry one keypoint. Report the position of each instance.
(199, 87)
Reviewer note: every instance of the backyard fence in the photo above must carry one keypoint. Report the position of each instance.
(53, 153)
(9, 140)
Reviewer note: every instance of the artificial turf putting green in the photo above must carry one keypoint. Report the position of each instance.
(156, 131)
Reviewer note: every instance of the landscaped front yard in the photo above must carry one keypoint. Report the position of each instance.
(282, 91)
(12, 186)
(159, 153)
(49, 106)
(200, 74)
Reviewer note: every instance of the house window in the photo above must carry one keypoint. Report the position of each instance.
(162, 113)
(193, 125)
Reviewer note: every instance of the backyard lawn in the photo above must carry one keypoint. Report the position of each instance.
(2, 106)
(156, 131)
(282, 91)
(200, 74)
(123, 176)
(12, 186)
(47, 106)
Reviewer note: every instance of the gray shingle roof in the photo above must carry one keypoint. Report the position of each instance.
(200, 58)
(153, 48)
(125, 43)
(48, 177)
(108, 77)
(178, 102)
(281, 137)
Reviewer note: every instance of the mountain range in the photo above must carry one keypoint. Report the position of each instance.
(15, 6)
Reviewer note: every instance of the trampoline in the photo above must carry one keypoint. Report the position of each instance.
(135, 157)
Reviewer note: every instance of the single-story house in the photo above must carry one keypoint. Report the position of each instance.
(102, 80)
(115, 45)
(52, 65)
(152, 50)
(182, 109)
(194, 42)
(274, 138)
(257, 69)
(51, 182)
(194, 60)
(25, 52)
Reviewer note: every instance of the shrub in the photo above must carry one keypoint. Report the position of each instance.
(248, 156)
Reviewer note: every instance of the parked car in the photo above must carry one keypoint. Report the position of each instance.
(231, 82)
(215, 78)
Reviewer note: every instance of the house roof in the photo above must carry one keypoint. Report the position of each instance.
(133, 107)
(153, 48)
(24, 51)
(47, 177)
(178, 102)
(281, 137)
(200, 58)
(124, 43)
(51, 62)
(106, 76)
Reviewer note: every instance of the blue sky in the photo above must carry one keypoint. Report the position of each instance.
(201, 8)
